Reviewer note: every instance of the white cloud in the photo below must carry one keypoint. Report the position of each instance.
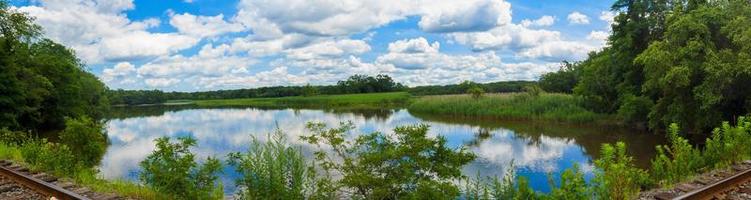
(417, 45)
(546, 20)
(578, 18)
(510, 36)
(203, 26)
(99, 31)
(334, 48)
(161, 82)
(467, 15)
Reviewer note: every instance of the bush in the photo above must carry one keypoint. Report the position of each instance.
(572, 186)
(476, 92)
(13, 137)
(616, 176)
(677, 161)
(533, 90)
(729, 144)
(405, 165)
(172, 170)
(273, 169)
(46, 156)
(86, 140)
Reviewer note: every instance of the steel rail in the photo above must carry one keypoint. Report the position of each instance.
(722, 186)
(49, 189)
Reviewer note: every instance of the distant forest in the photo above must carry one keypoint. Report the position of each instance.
(354, 84)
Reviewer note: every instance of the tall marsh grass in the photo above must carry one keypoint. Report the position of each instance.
(556, 107)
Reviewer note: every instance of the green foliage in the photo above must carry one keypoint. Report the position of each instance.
(13, 137)
(50, 157)
(476, 92)
(41, 82)
(635, 109)
(533, 91)
(616, 176)
(86, 139)
(677, 161)
(729, 144)
(673, 61)
(563, 80)
(308, 90)
(359, 83)
(172, 170)
(407, 164)
(494, 87)
(572, 186)
(557, 107)
(273, 169)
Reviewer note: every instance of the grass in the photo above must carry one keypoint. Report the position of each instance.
(86, 177)
(515, 106)
(345, 101)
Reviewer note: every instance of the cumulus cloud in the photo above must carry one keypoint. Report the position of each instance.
(98, 31)
(474, 15)
(608, 16)
(203, 26)
(578, 18)
(417, 45)
(546, 20)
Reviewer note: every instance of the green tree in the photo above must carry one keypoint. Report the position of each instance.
(171, 169)
(309, 90)
(476, 92)
(41, 82)
(563, 80)
(405, 165)
(86, 139)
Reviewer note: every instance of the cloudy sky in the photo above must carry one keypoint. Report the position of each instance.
(196, 45)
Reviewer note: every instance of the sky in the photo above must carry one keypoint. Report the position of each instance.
(201, 45)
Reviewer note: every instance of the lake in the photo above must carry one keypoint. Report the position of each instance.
(538, 150)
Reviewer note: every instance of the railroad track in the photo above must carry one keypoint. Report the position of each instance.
(17, 182)
(733, 183)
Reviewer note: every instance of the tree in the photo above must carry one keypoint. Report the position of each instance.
(41, 82)
(563, 80)
(308, 90)
(171, 169)
(476, 92)
(86, 140)
(405, 165)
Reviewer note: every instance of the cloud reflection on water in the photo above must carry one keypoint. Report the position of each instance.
(221, 131)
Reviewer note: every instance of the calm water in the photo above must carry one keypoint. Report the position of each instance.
(538, 150)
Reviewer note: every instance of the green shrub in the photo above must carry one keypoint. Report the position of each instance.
(616, 176)
(405, 165)
(476, 92)
(13, 137)
(729, 144)
(479, 188)
(571, 187)
(273, 169)
(86, 139)
(676, 161)
(46, 156)
(172, 170)
(533, 90)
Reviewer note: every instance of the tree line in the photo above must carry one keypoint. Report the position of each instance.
(684, 61)
(357, 83)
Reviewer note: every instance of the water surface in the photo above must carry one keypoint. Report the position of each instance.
(539, 150)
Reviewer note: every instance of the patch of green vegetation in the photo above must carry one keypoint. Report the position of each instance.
(345, 101)
(545, 106)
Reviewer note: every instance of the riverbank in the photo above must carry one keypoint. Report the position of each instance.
(510, 106)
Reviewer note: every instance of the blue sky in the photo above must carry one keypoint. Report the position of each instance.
(196, 45)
